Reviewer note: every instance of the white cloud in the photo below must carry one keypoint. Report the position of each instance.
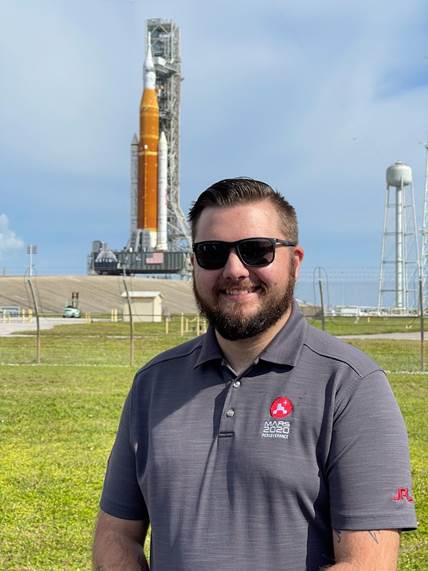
(8, 239)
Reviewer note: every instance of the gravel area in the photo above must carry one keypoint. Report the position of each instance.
(17, 325)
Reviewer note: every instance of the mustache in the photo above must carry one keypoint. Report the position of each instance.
(239, 285)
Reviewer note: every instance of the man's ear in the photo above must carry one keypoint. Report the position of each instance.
(297, 258)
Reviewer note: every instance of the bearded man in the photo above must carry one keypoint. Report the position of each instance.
(264, 444)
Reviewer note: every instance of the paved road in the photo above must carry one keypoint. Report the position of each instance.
(17, 325)
(409, 335)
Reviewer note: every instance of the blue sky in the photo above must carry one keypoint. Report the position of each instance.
(316, 98)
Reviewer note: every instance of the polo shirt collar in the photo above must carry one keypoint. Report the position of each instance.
(284, 349)
(210, 349)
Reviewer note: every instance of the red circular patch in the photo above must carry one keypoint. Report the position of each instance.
(281, 407)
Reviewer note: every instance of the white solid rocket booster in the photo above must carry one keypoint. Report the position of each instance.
(162, 193)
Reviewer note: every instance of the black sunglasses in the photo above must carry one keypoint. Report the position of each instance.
(253, 252)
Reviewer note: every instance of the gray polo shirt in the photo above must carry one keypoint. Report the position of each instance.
(253, 471)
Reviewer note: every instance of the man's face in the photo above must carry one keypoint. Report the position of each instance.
(238, 300)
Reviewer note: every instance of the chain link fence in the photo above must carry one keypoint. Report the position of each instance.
(397, 343)
(129, 337)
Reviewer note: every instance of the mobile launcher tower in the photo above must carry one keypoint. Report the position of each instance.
(159, 240)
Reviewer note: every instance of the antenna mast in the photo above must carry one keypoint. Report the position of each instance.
(424, 250)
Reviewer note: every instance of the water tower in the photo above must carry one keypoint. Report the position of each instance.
(399, 257)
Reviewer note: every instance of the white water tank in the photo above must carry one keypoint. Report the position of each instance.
(398, 174)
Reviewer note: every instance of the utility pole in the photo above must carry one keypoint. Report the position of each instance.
(31, 251)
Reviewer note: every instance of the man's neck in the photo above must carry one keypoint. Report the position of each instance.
(240, 354)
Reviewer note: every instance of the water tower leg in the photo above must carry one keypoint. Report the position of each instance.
(399, 243)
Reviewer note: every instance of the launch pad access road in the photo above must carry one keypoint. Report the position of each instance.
(15, 326)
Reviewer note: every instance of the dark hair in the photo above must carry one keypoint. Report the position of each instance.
(232, 191)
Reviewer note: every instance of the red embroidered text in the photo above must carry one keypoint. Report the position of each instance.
(402, 494)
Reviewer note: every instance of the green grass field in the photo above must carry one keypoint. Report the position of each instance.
(57, 424)
(106, 343)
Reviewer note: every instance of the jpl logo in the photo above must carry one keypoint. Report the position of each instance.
(402, 494)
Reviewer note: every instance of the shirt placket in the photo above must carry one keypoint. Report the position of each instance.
(230, 410)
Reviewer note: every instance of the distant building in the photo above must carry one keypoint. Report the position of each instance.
(145, 306)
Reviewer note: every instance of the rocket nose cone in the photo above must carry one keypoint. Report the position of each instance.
(148, 62)
(149, 67)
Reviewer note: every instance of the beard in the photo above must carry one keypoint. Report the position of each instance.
(233, 325)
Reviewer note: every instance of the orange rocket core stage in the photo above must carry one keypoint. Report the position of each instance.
(147, 218)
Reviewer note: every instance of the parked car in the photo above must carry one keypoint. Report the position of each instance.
(70, 311)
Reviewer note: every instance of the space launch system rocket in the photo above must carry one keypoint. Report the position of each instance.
(152, 165)
(159, 240)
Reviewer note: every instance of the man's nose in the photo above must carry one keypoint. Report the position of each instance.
(234, 268)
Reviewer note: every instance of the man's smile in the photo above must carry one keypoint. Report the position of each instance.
(240, 293)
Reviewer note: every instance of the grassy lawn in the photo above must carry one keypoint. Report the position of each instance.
(97, 343)
(411, 393)
(394, 355)
(106, 343)
(57, 424)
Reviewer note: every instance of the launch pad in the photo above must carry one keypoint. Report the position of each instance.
(159, 239)
(105, 261)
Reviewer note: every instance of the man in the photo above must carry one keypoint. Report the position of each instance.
(264, 444)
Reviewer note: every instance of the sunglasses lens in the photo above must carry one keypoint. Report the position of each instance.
(212, 255)
(256, 252)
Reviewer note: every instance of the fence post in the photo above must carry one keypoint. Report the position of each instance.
(36, 311)
(421, 309)
(182, 324)
(322, 305)
(131, 326)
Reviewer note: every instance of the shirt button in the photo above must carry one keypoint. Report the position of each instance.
(230, 413)
(237, 384)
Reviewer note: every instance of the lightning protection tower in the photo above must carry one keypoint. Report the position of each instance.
(424, 252)
(399, 266)
(165, 43)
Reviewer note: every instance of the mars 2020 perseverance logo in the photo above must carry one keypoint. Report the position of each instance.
(278, 428)
(281, 407)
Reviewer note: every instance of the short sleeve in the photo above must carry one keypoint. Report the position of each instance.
(121, 496)
(368, 465)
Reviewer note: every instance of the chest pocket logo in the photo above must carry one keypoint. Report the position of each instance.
(278, 428)
(281, 407)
